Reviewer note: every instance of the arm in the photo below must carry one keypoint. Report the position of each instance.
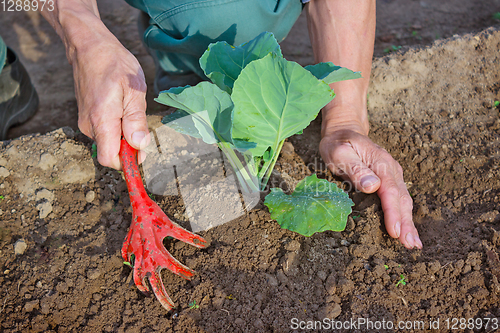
(343, 32)
(109, 83)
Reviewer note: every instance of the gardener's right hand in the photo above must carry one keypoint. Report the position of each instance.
(111, 91)
(109, 82)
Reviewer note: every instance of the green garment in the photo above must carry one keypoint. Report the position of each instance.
(3, 53)
(181, 30)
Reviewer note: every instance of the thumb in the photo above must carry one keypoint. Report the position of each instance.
(349, 163)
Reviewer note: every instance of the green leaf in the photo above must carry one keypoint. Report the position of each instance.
(182, 123)
(274, 99)
(210, 108)
(328, 72)
(222, 63)
(316, 205)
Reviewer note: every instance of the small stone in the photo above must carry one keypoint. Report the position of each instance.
(33, 305)
(331, 284)
(46, 305)
(343, 242)
(282, 277)
(292, 246)
(92, 275)
(330, 311)
(258, 323)
(45, 194)
(90, 196)
(20, 247)
(47, 161)
(39, 284)
(62, 287)
(332, 299)
(322, 275)
(239, 321)
(45, 208)
(290, 264)
(7, 271)
(4, 172)
(272, 280)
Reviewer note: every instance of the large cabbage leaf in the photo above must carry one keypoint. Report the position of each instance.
(222, 63)
(273, 99)
(209, 111)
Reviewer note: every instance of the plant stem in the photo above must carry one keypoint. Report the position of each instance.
(241, 172)
(268, 167)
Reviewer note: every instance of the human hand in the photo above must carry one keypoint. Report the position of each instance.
(349, 153)
(111, 93)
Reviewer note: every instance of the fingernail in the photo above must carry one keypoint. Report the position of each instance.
(410, 240)
(419, 242)
(397, 229)
(368, 181)
(137, 138)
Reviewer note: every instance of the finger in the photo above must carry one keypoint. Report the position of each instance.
(396, 203)
(348, 162)
(107, 134)
(134, 122)
(389, 195)
(409, 234)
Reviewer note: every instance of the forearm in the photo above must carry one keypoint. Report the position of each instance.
(343, 32)
(78, 24)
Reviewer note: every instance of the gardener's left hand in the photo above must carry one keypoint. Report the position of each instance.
(348, 152)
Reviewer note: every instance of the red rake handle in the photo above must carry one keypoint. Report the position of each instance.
(128, 159)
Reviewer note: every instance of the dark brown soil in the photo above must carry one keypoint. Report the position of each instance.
(432, 107)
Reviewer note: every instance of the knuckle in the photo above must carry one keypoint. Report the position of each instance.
(406, 200)
(104, 161)
(399, 168)
(84, 127)
(135, 115)
(357, 169)
(333, 168)
(95, 119)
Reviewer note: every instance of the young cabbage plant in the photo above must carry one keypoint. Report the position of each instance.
(255, 101)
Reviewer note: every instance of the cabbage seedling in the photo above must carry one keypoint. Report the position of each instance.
(255, 101)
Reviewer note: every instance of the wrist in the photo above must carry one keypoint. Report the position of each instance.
(81, 29)
(344, 117)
